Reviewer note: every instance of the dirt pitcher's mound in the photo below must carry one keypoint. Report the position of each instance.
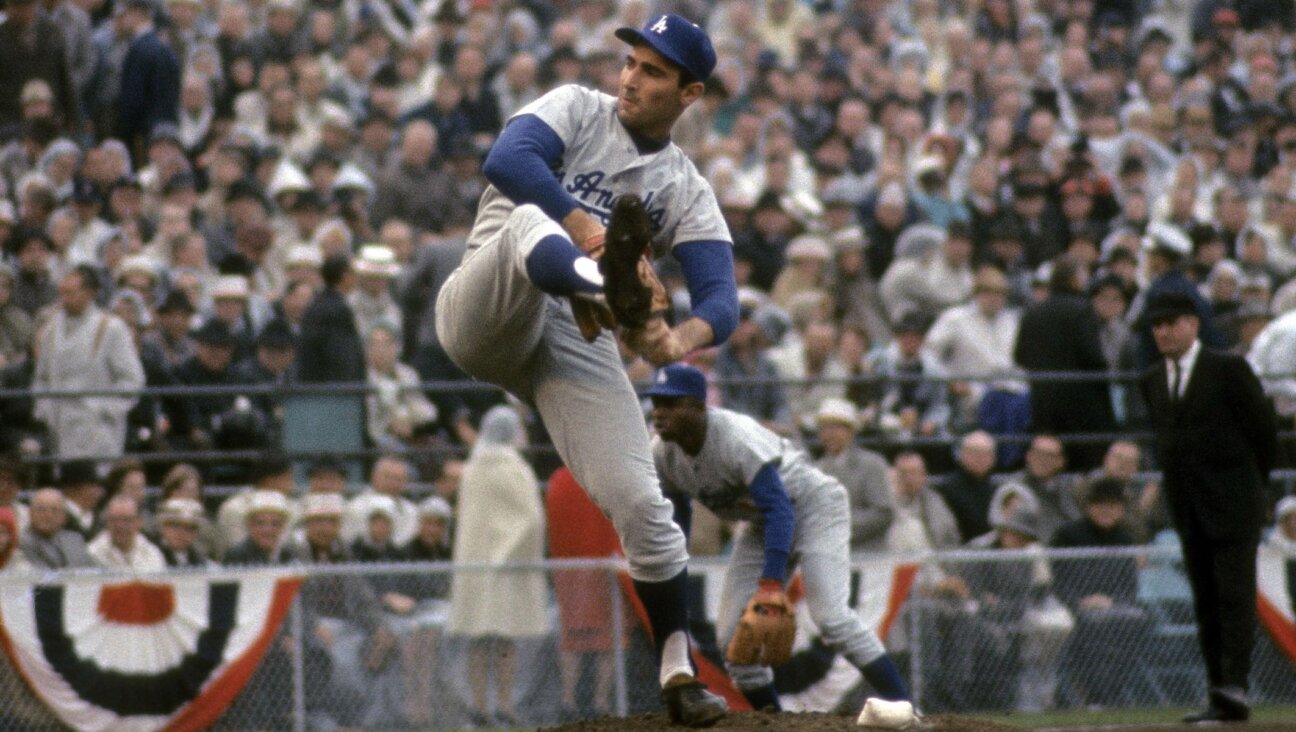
(767, 722)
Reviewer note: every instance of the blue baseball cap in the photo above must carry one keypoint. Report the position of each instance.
(680, 41)
(679, 380)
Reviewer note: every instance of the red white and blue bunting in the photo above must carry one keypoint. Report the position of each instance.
(112, 656)
(1274, 601)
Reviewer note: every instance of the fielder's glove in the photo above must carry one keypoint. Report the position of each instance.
(766, 630)
(634, 294)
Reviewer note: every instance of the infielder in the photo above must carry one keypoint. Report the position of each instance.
(798, 515)
(523, 309)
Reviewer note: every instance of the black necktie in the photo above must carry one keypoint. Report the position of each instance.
(1174, 391)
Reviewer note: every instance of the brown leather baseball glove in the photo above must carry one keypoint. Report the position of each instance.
(766, 630)
(634, 294)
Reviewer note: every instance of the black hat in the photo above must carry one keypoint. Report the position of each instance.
(913, 321)
(86, 191)
(1165, 306)
(77, 472)
(128, 180)
(1005, 228)
(323, 157)
(271, 464)
(326, 464)
(165, 131)
(309, 198)
(278, 335)
(1105, 490)
(182, 181)
(245, 188)
(214, 333)
(176, 301)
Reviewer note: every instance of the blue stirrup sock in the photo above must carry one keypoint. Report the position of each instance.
(557, 267)
(665, 603)
(884, 677)
(762, 698)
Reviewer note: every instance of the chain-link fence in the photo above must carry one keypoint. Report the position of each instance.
(391, 647)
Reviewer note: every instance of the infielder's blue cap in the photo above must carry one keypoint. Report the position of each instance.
(679, 40)
(679, 380)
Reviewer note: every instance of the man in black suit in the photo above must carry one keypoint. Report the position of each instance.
(1216, 440)
(150, 78)
(330, 349)
(1061, 334)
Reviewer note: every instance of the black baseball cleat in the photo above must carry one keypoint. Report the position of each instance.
(626, 240)
(690, 704)
(1227, 704)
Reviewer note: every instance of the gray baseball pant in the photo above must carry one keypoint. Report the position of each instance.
(498, 327)
(821, 549)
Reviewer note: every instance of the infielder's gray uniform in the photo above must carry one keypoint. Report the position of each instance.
(735, 450)
(498, 327)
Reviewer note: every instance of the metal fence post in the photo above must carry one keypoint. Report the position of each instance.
(914, 621)
(298, 668)
(618, 643)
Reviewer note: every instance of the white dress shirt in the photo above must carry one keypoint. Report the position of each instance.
(1186, 363)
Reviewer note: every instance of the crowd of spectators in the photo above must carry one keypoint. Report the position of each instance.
(935, 204)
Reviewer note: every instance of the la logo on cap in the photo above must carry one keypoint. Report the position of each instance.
(659, 26)
(661, 377)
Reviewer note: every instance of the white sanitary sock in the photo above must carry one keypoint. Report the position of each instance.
(675, 657)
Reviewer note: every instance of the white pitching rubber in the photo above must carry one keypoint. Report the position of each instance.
(883, 714)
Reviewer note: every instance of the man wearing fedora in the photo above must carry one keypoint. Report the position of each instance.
(1216, 441)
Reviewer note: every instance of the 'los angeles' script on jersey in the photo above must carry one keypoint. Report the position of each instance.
(587, 189)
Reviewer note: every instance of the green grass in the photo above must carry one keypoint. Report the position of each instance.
(1084, 717)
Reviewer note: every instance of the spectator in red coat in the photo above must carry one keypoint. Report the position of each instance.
(577, 528)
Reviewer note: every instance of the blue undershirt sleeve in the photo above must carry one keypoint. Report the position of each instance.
(522, 162)
(683, 512)
(709, 272)
(776, 507)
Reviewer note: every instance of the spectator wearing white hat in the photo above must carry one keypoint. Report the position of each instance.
(862, 471)
(343, 616)
(429, 591)
(179, 522)
(375, 544)
(929, 273)
(272, 488)
(806, 269)
(372, 300)
(230, 306)
(266, 518)
(855, 293)
(302, 264)
(1167, 251)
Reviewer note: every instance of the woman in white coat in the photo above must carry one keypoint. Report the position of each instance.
(501, 520)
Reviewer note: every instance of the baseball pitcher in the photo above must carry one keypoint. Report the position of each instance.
(582, 185)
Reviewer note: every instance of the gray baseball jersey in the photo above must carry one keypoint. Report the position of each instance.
(498, 327)
(600, 162)
(735, 449)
